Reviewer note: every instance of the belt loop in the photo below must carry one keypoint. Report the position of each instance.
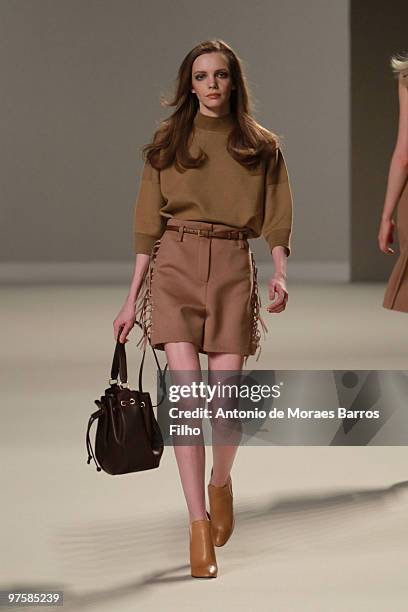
(241, 241)
(181, 232)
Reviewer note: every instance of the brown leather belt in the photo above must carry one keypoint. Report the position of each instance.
(228, 234)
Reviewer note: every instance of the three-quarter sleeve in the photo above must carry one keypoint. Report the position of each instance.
(148, 224)
(277, 222)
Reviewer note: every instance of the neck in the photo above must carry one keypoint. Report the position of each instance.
(214, 124)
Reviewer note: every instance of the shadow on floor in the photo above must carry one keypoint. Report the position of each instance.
(121, 553)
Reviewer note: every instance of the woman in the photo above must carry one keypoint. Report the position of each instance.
(213, 177)
(396, 295)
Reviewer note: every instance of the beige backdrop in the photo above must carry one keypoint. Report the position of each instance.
(81, 89)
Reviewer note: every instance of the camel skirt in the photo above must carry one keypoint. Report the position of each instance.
(202, 290)
(396, 294)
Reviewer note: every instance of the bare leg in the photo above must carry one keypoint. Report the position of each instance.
(223, 455)
(190, 459)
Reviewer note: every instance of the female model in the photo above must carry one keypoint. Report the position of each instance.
(396, 295)
(213, 178)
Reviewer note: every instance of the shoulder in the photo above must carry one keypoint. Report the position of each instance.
(275, 152)
(149, 172)
(276, 169)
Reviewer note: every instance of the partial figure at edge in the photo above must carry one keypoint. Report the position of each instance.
(396, 294)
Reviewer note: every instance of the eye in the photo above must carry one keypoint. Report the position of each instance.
(223, 74)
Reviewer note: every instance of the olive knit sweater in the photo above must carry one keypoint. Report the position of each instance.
(220, 191)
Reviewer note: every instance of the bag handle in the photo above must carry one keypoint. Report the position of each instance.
(119, 366)
(162, 376)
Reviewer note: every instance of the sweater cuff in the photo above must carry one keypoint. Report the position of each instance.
(143, 243)
(280, 237)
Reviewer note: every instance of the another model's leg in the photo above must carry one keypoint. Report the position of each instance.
(223, 454)
(182, 356)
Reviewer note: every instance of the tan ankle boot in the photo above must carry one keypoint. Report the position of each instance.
(202, 555)
(221, 512)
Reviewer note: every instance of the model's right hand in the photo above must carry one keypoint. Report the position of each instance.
(125, 319)
(386, 236)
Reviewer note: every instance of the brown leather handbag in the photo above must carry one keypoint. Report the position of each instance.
(128, 436)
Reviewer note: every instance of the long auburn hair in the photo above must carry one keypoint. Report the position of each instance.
(248, 142)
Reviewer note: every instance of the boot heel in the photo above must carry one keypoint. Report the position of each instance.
(202, 555)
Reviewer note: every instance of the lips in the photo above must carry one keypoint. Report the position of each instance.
(213, 96)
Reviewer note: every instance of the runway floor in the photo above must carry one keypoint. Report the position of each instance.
(317, 528)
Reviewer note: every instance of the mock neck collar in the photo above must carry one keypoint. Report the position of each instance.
(214, 124)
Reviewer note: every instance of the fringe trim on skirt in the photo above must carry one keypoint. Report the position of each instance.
(144, 304)
(257, 323)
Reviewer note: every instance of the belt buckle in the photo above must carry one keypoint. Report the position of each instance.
(204, 233)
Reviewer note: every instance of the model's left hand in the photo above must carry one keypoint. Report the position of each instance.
(278, 294)
(386, 236)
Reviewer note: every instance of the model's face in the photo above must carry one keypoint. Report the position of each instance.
(211, 75)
